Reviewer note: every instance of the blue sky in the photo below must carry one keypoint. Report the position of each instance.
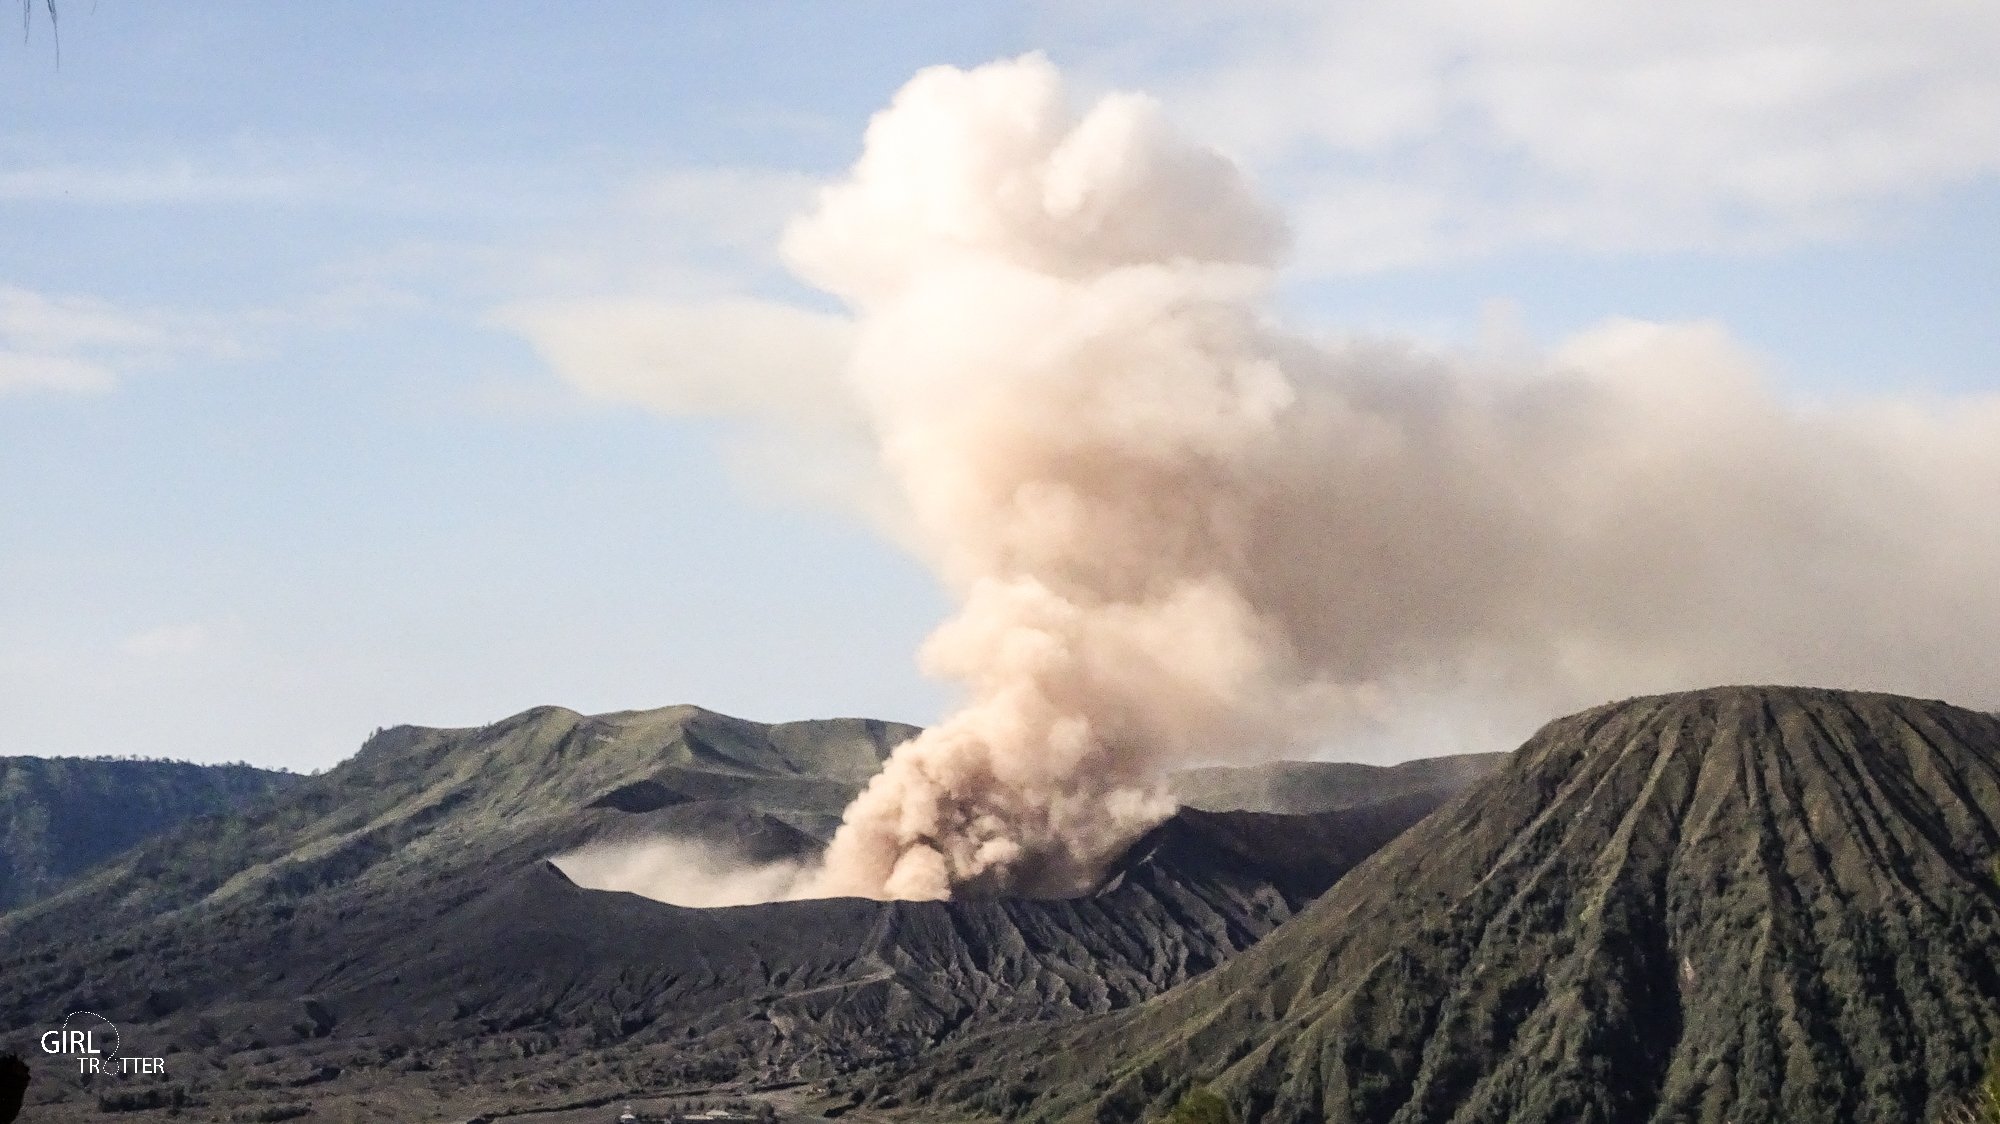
(278, 464)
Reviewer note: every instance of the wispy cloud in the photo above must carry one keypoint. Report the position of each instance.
(734, 208)
(648, 300)
(776, 367)
(721, 357)
(22, 371)
(686, 232)
(79, 344)
(1413, 132)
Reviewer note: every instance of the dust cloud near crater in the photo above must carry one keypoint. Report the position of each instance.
(685, 872)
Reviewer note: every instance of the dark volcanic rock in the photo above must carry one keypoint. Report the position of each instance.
(809, 988)
(396, 922)
(1744, 904)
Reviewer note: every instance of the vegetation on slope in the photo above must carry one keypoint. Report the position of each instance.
(1199, 1105)
(393, 923)
(62, 816)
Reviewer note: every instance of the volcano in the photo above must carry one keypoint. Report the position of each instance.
(1726, 905)
(389, 939)
(1743, 904)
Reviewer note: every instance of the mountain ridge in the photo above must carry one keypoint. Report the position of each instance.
(337, 821)
(396, 919)
(60, 816)
(1737, 904)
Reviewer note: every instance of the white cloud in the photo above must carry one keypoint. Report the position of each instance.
(36, 322)
(1439, 128)
(681, 232)
(21, 372)
(724, 357)
(639, 297)
(775, 368)
(645, 300)
(741, 209)
(76, 344)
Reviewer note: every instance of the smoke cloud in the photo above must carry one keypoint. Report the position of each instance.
(1177, 532)
(682, 872)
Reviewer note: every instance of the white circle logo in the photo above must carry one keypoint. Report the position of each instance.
(84, 1034)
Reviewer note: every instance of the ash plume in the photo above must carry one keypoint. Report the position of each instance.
(1178, 532)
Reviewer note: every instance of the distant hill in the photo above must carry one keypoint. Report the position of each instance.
(395, 923)
(1743, 904)
(534, 785)
(61, 816)
(1306, 787)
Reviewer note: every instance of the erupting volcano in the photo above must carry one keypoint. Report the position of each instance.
(1177, 532)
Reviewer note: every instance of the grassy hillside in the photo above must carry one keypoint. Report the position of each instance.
(62, 816)
(442, 801)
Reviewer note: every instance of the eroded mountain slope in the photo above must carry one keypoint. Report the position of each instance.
(1744, 904)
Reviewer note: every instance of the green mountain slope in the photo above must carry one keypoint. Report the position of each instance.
(61, 816)
(396, 922)
(1745, 904)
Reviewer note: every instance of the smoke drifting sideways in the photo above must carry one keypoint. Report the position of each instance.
(685, 872)
(1178, 532)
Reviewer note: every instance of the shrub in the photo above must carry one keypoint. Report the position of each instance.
(1201, 1105)
(1982, 1105)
